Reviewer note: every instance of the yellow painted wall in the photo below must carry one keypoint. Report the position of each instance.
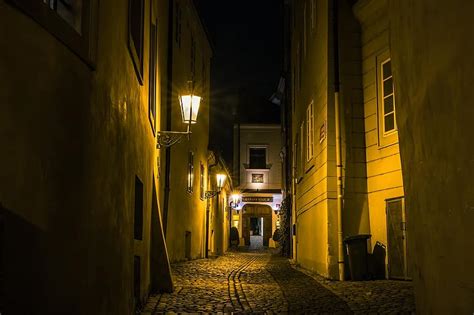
(74, 138)
(384, 174)
(187, 211)
(270, 137)
(432, 49)
(312, 191)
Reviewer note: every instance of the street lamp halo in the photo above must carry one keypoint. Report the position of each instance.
(189, 104)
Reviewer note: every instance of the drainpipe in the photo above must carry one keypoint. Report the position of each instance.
(169, 102)
(340, 192)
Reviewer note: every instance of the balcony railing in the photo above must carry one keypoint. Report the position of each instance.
(247, 167)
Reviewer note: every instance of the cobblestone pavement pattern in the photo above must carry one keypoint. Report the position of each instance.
(259, 282)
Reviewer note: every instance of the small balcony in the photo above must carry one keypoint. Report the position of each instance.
(250, 166)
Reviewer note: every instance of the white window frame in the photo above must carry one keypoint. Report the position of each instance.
(309, 132)
(384, 138)
(383, 97)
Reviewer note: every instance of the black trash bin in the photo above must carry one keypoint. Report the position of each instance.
(357, 253)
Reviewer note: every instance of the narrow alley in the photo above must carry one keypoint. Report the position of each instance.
(236, 157)
(264, 282)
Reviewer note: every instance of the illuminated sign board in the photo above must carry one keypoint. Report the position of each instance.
(257, 199)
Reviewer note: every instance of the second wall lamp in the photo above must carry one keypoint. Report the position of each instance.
(220, 183)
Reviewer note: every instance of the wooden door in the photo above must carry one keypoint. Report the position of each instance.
(396, 236)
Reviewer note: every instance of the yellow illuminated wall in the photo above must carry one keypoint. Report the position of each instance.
(371, 171)
(384, 173)
(186, 213)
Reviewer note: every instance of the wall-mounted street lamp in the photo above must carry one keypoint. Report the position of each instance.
(277, 210)
(189, 104)
(235, 201)
(220, 183)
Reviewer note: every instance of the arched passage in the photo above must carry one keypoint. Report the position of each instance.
(256, 220)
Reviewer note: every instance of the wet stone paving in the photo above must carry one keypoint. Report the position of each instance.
(266, 283)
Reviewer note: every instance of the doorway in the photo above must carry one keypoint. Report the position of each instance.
(256, 232)
(398, 267)
(256, 225)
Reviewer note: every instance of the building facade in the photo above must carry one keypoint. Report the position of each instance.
(258, 165)
(435, 112)
(370, 84)
(346, 160)
(218, 211)
(85, 179)
(183, 164)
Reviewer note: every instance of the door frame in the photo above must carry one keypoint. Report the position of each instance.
(404, 237)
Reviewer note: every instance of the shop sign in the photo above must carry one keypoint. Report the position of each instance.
(257, 199)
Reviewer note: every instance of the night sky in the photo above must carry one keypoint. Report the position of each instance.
(247, 40)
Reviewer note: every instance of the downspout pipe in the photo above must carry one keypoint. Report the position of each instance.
(337, 109)
(169, 96)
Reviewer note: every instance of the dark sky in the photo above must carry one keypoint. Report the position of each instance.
(246, 65)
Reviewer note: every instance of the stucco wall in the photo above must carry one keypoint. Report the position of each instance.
(355, 219)
(187, 211)
(270, 137)
(432, 58)
(384, 172)
(74, 139)
(314, 178)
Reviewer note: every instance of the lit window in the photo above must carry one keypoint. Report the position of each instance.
(309, 132)
(201, 182)
(190, 172)
(300, 152)
(258, 158)
(388, 97)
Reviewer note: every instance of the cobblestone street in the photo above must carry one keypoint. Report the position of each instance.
(259, 282)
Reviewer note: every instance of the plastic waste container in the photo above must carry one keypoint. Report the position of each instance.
(356, 247)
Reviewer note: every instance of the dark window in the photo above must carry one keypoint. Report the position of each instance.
(257, 158)
(69, 10)
(135, 37)
(136, 282)
(193, 57)
(190, 172)
(204, 76)
(138, 217)
(71, 21)
(177, 20)
(201, 182)
(153, 61)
